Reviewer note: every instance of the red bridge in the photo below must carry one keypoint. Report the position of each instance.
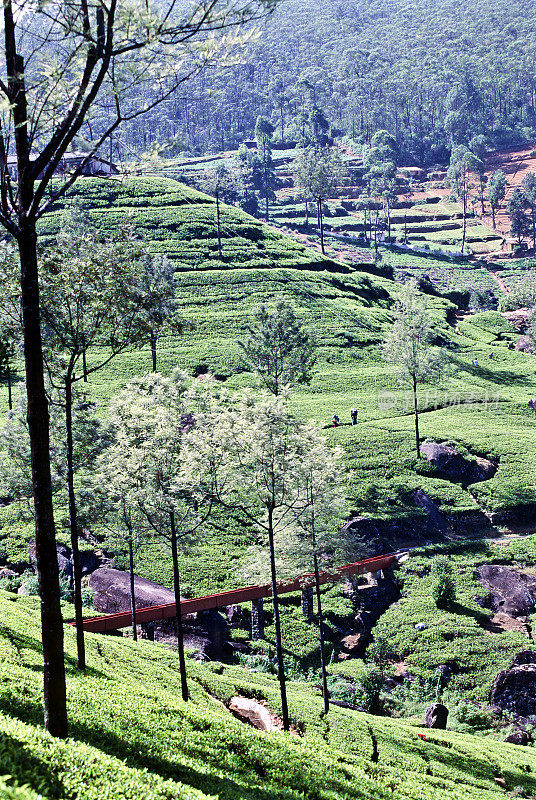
(111, 622)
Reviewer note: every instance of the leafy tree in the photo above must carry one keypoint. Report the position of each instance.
(87, 289)
(60, 70)
(479, 147)
(408, 345)
(318, 171)
(252, 455)
(318, 525)
(278, 348)
(154, 297)
(529, 189)
(520, 223)
(266, 177)
(496, 191)
(245, 168)
(443, 588)
(151, 418)
(125, 522)
(462, 163)
(319, 127)
(221, 183)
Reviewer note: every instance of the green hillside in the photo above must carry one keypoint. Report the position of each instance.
(482, 408)
(348, 311)
(131, 737)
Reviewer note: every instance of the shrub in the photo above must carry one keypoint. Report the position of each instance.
(443, 589)
(380, 651)
(368, 690)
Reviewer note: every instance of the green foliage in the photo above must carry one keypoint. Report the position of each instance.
(380, 651)
(443, 588)
(367, 694)
(160, 748)
(278, 348)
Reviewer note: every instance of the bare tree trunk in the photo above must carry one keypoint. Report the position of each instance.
(177, 589)
(73, 523)
(218, 228)
(416, 413)
(277, 624)
(493, 216)
(84, 364)
(464, 219)
(321, 216)
(9, 395)
(325, 693)
(153, 350)
(132, 584)
(55, 702)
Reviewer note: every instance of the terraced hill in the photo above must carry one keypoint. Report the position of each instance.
(483, 407)
(132, 738)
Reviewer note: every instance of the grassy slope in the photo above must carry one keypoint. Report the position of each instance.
(131, 737)
(349, 313)
(348, 310)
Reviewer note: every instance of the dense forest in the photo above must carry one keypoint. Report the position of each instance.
(433, 73)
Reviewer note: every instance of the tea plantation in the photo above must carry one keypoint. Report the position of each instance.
(480, 405)
(131, 737)
(483, 407)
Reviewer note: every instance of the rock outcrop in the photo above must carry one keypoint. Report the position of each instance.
(205, 632)
(454, 467)
(519, 737)
(512, 592)
(514, 689)
(436, 716)
(252, 712)
(525, 344)
(64, 558)
(112, 591)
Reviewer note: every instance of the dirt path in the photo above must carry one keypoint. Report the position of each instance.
(500, 281)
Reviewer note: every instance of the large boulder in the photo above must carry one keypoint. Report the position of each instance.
(454, 467)
(436, 716)
(512, 592)
(251, 711)
(89, 561)
(525, 344)
(366, 530)
(112, 591)
(64, 558)
(514, 690)
(519, 736)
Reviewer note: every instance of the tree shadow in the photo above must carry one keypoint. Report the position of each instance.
(26, 642)
(22, 766)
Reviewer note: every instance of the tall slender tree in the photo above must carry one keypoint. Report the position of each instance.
(496, 192)
(151, 418)
(318, 170)
(55, 67)
(463, 163)
(266, 177)
(408, 346)
(251, 454)
(278, 348)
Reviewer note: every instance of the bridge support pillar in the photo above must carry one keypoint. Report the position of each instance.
(307, 602)
(257, 619)
(147, 631)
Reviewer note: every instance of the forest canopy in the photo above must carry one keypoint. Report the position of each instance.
(434, 73)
